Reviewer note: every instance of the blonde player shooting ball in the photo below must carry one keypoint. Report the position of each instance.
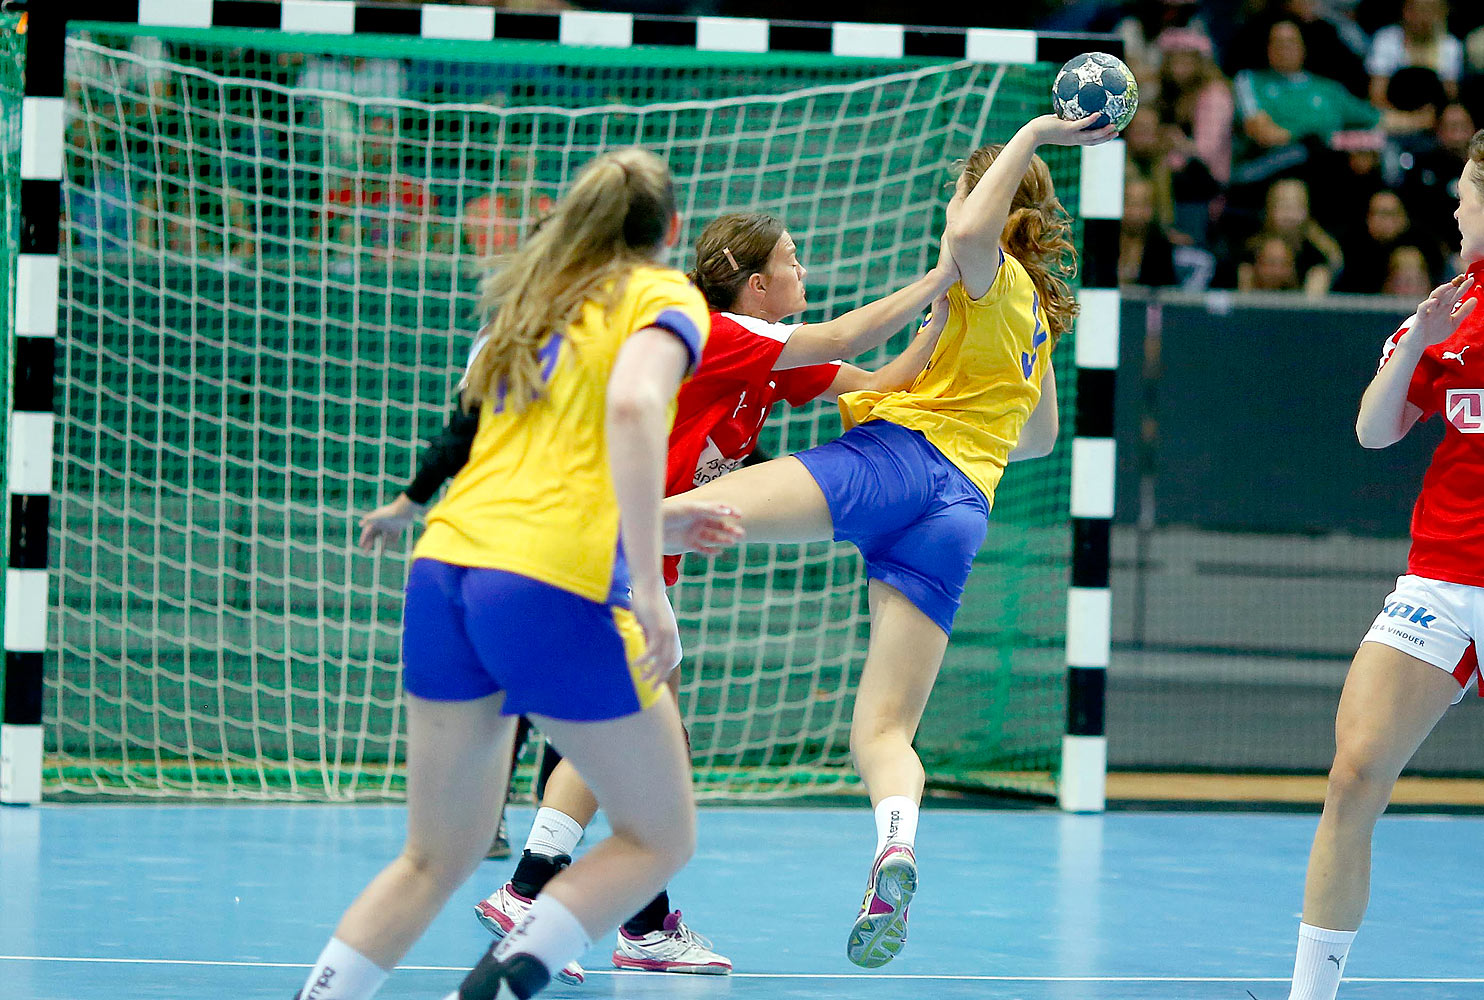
(748, 269)
(912, 481)
(1421, 654)
(520, 599)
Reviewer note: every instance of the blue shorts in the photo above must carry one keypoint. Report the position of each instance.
(468, 633)
(917, 519)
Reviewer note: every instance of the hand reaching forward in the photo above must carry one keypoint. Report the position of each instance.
(700, 526)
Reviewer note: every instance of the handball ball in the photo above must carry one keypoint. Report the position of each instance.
(1096, 83)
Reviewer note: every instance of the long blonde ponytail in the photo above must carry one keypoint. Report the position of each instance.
(614, 219)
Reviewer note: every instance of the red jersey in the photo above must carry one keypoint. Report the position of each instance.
(493, 222)
(1447, 526)
(389, 209)
(721, 410)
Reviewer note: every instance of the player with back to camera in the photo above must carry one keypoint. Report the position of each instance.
(747, 267)
(520, 599)
(1421, 654)
(910, 483)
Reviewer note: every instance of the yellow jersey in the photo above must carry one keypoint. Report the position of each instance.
(983, 381)
(536, 496)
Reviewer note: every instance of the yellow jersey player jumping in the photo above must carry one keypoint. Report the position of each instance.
(911, 483)
(521, 598)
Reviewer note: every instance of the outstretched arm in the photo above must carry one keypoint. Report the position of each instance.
(868, 327)
(902, 370)
(444, 456)
(975, 228)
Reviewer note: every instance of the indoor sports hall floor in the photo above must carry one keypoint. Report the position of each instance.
(180, 902)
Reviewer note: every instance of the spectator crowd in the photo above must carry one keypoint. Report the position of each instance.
(1295, 145)
(1280, 145)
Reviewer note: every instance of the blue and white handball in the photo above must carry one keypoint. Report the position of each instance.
(1096, 83)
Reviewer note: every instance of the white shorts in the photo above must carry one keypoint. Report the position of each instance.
(1436, 622)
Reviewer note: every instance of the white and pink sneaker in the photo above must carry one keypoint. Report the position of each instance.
(503, 910)
(880, 929)
(673, 948)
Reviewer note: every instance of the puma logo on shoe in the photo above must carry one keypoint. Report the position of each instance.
(1456, 355)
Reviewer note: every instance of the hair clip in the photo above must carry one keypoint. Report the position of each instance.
(727, 253)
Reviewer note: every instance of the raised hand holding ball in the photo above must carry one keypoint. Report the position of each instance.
(1096, 85)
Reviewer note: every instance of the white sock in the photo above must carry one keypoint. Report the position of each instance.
(554, 833)
(1320, 962)
(342, 973)
(896, 822)
(548, 933)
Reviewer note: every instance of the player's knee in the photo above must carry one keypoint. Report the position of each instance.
(1359, 778)
(438, 866)
(672, 840)
(868, 735)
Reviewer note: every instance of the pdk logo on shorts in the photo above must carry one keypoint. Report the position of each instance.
(1465, 410)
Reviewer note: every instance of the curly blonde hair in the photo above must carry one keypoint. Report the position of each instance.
(1038, 233)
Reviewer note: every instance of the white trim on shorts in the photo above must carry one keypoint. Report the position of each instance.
(1433, 621)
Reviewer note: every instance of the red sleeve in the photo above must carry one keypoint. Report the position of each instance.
(800, 385)
(735, 352)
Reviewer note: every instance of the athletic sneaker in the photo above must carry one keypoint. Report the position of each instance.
(880, 929)
(503, 910)
(672, 948)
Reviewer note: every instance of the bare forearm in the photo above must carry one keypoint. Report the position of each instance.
(987, 207)
(866, 328)
(903, 370)
(1382, 419)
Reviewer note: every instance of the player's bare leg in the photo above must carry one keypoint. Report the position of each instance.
(778, 502)
(902, 662)
(639, 769)
(457, 756)
(654, 939)
(1390, 703)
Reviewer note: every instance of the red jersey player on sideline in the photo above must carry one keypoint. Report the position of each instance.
(748, 269)
(1421, 653)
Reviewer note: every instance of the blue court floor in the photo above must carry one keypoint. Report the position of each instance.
(200, 901)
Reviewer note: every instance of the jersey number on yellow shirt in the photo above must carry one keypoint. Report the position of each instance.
(1028, 359)
(548, 354)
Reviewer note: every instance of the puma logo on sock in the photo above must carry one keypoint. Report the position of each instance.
(1335, 960)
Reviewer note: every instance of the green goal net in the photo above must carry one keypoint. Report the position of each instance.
(12, 94)
(269, 254)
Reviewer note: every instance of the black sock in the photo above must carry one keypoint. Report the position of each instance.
(524, 974)
(535, 870)
(651, 918)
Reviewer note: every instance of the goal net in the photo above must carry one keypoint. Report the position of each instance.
(269, 254)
